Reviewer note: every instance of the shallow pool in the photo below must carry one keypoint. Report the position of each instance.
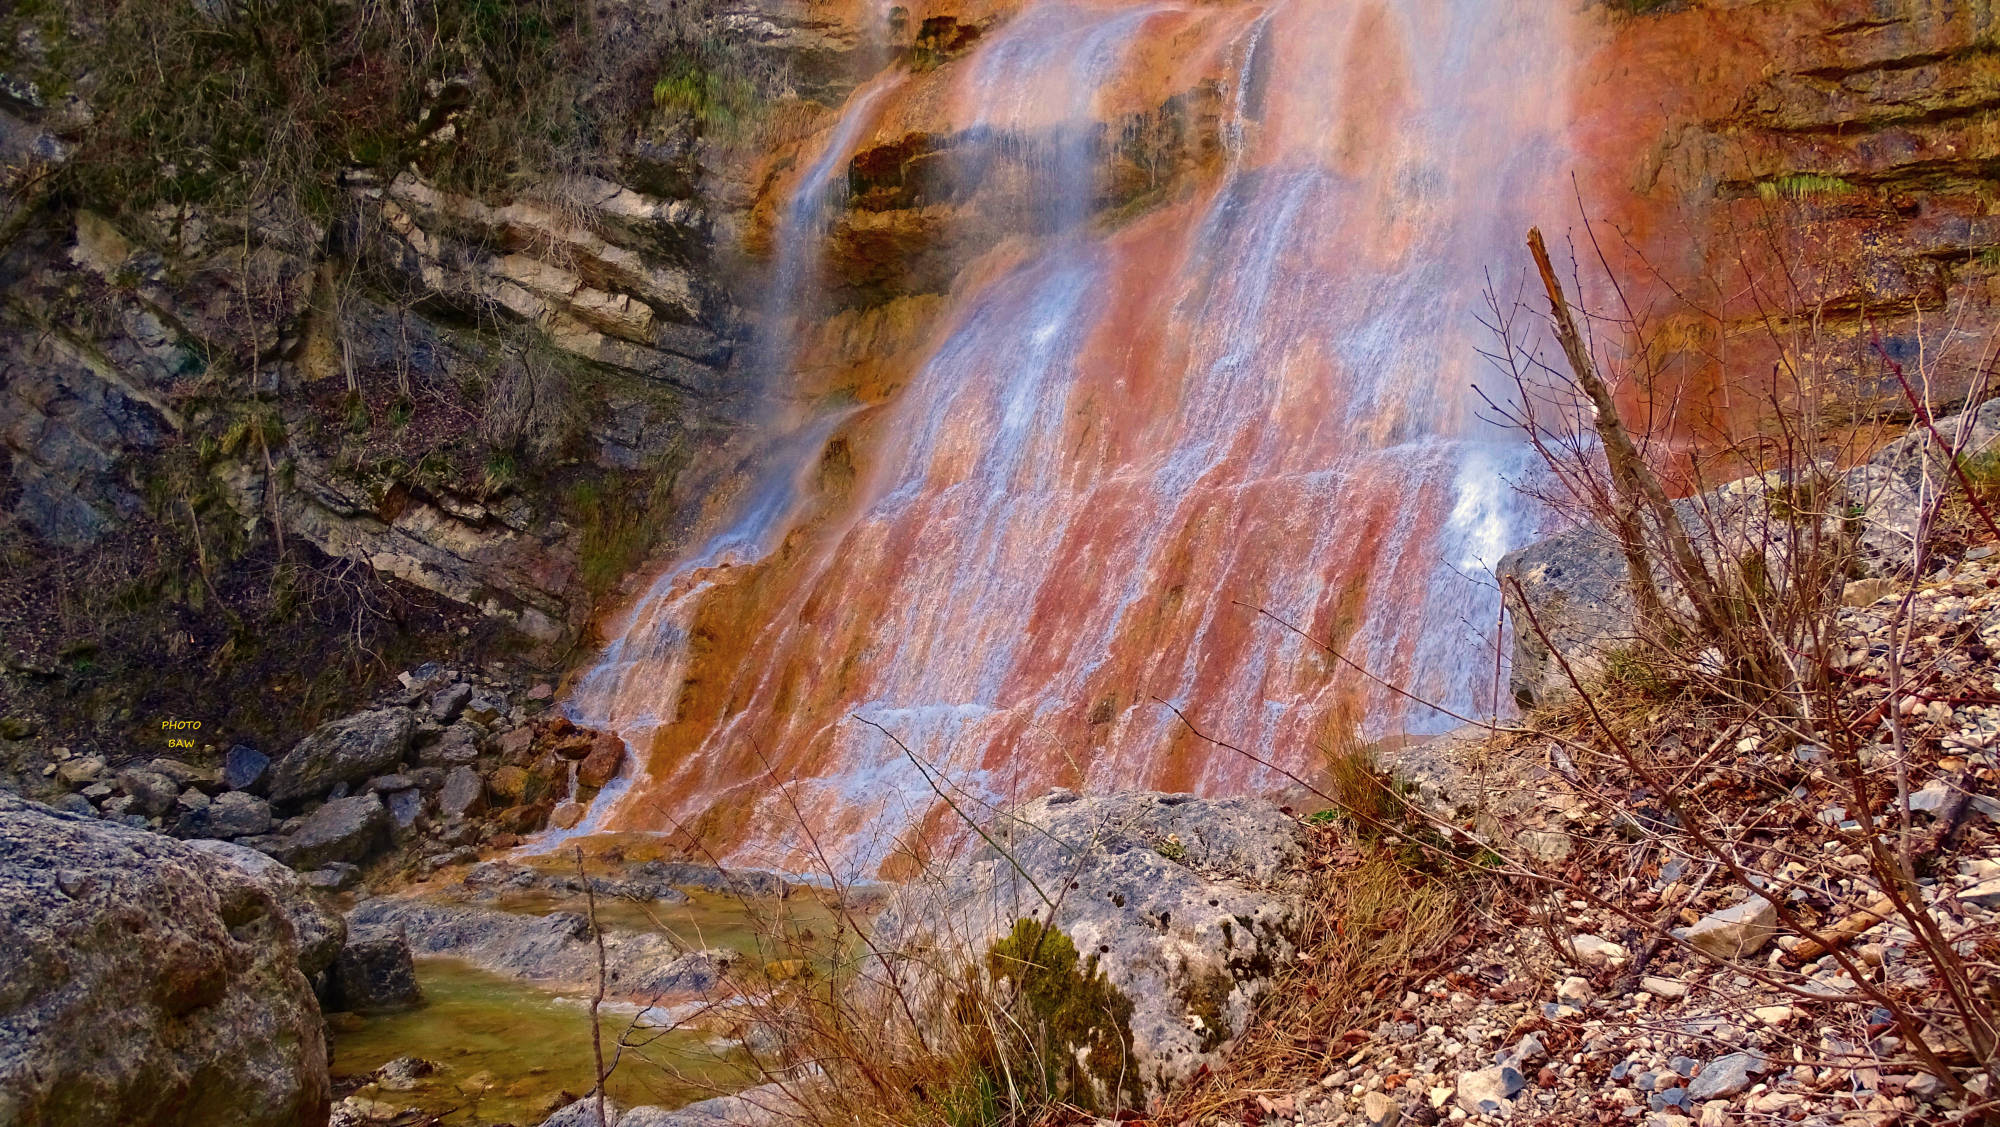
(507, 1051)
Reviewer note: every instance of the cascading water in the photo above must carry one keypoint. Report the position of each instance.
(1127, 438)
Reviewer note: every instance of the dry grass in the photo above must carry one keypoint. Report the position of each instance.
(1373, 926)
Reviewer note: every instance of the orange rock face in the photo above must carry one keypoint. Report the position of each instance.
(1112, 334)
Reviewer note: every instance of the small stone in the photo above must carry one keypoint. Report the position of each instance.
(1378, 1110)
(1734, 933)
(244, 768)
(1576, 991)
(542, 691)
(1684, 1066)
(1487, 1091)
(1924, 1086)
(1985, 894)
(1726, 1076)
(152, 793)
(338, 876)
(402, 1074)
(80, 772)
(464, 793)
(1595, 951)
(1772, 1015)
(449, 701)
(1864, 592)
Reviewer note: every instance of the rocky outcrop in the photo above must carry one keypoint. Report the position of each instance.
(146, 984)
(1179, 903)
(555, 950)
(319, 932)
(1569, 594)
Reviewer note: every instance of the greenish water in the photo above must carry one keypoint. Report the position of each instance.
(508, 1050)
(797, 927)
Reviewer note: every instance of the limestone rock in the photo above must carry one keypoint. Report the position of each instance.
(1725, 1076)
(231, 814)
(1734, 933)
(464, 793)
(152, 793)
(80, 772)
(346, 829)
(449, 701)
(244, 768)
(1488, 1090)
(348, 750)
(1177, 900)
(319, 931)
(375, 972)
(146, 985)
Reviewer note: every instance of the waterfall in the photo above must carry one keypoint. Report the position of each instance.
(1130, 436)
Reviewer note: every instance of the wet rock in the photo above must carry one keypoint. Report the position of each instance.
(1726, 1076)
(147, 984)
(464, 793)
(601, 765)
(555, 950)
(402, 1074)
(375, 972)
(1734, 933)
(245, 768)
(709, 878)
(1176, 900)
(449, 701)
(345, 751)
(346, 829)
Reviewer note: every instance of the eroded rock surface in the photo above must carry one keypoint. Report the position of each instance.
(1180, 902)
(144, 983)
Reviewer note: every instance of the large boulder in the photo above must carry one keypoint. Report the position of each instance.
(145, 984)
(348, 750)
(346, 829)
(319, 931)
(1178, 904)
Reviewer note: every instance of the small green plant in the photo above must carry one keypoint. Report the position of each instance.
(705, 90)
(1803, 186)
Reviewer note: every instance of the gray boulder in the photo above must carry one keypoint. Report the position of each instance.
(346, 829)
(338, 876)
(230, 814)
(244, 768)
(319, 931)
(457, 745)
(449, 701)
(762, 1106)
(152, 793)
(142, 984)
(464, 793)
(375, 972)
(1179, 902)
(348, 750)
